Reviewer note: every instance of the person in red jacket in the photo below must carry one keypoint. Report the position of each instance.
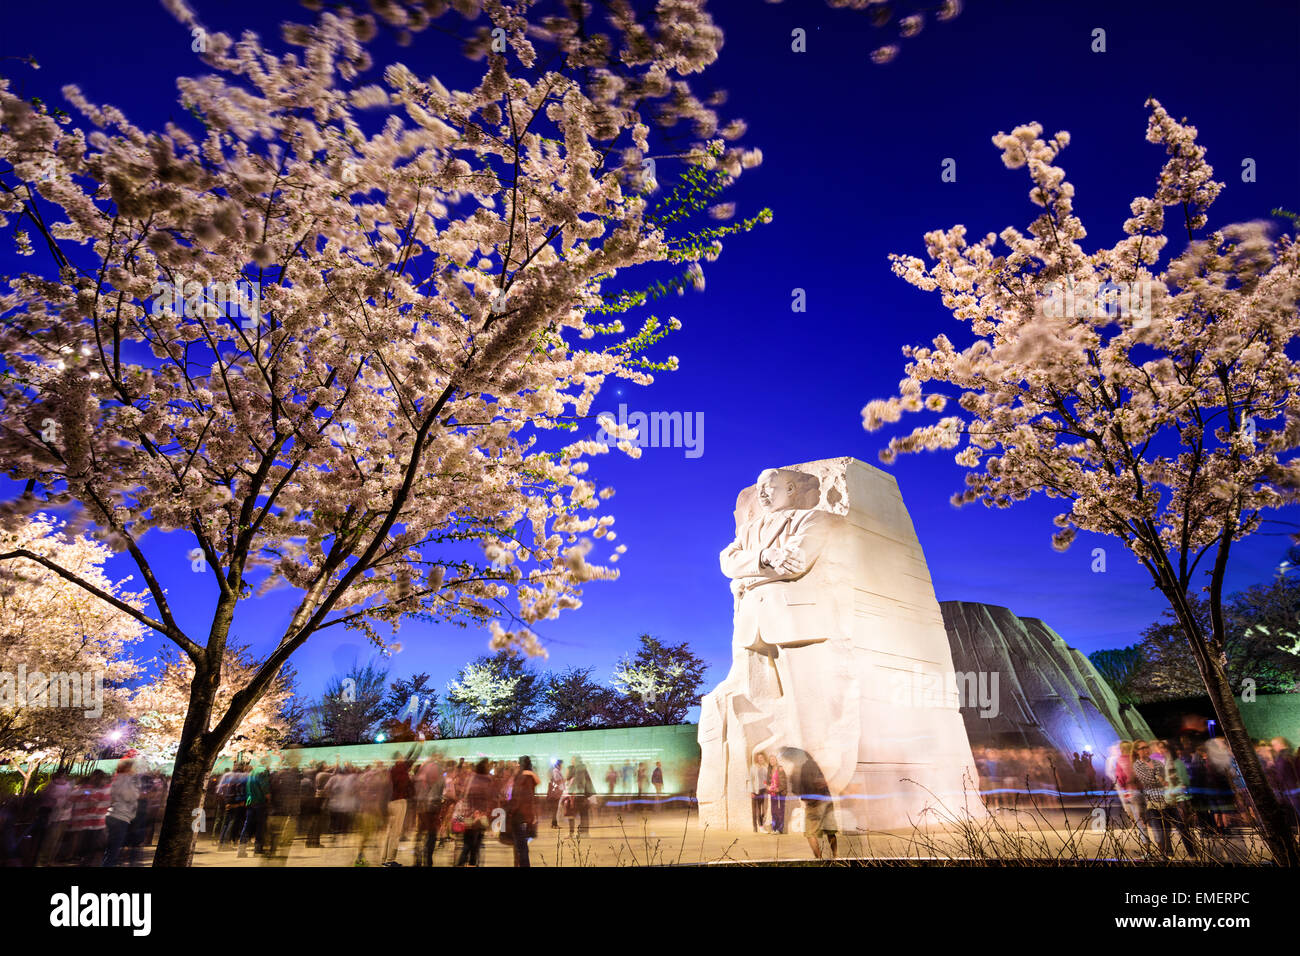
(521, 810)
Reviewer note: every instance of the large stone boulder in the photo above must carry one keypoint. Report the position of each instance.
(1048, 693)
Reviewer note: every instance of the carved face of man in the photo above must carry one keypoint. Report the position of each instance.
(776, 490)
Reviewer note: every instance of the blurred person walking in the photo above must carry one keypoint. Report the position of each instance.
(256, 802)
(148, 810)
(1223, 775)
(452, 784)
(87, 825)
(809, 784)
(400, 792)
(991, 778)
(521, 810)
(214, 808)
(1127, 788)
(554, 793)
(1149, 775)
(58, 795)
(474, 812)
(342, 802)
(581, 790)
(317, 815)
(233, 791)
(427, 791)
(124, 805)
(1284, 775)
(284, 805)
(1177, 794)
(375, 789)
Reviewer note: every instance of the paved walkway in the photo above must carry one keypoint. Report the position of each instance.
(673, 837)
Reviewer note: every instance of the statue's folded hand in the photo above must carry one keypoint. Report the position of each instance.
(795, 562)
(784, 560)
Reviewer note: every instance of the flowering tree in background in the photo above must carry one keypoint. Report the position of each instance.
(502, 692)
(1160, 406)
(1261, 623)
(661, 682)
(483, 692)
(420, 299)
(160, 707)
(51, 626)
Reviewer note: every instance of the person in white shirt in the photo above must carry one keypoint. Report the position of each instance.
(124, 796)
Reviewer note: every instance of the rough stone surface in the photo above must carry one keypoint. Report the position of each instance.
(1049, 694)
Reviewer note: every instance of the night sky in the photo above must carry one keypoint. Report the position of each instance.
(852, 161)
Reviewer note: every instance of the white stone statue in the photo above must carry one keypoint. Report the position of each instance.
(828, 610)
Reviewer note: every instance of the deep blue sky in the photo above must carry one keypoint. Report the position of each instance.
(852, 171)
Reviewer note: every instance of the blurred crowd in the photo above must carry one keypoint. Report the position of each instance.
(392, 814)
(416, 810)
(92, 820)
(1160, 787)
(1008, 774)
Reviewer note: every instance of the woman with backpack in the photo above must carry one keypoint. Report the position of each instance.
(233, 789)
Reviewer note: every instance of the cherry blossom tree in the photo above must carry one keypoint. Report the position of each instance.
(1260, 626)
(661, 682)
(159, 706)
(62, 645)
(1158, 402)
(341, 337)
(502, 692)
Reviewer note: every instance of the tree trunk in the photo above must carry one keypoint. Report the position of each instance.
(177, 833)
(194, 759)
(1272, 817)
